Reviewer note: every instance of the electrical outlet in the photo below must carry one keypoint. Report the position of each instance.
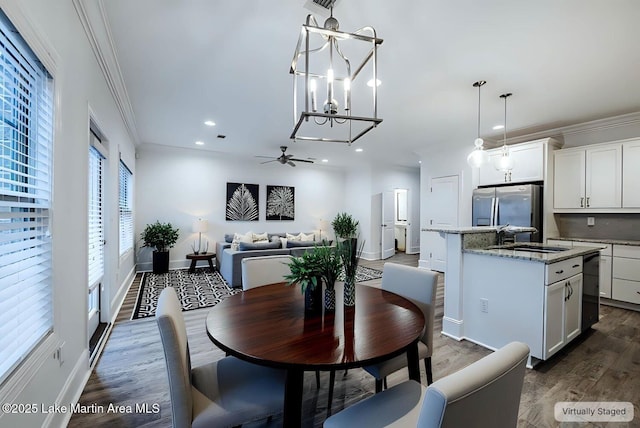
(484, 305)
(591, 221)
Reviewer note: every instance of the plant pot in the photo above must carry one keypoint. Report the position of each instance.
(313, 300)
(350, 292)
(329, 299)
(160, 261)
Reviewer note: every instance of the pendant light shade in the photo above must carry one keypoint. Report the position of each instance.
(505, 162)
(478, 156)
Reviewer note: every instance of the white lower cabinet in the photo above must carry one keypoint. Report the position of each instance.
(563, 313)
(626, 273)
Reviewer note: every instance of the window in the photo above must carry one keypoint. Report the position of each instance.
(26, 132)
(95, 224)
(126, 209)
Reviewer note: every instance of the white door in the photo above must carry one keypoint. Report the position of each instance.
(573, 309)
(443, 213)
(554, 316)
(95, 250)
(388, 224)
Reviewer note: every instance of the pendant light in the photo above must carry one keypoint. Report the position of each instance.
(505, 162)
(478, 156)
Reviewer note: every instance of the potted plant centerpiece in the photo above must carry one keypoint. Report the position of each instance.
(330, 268)
(306, 270)
(160, 236)
(346, 229)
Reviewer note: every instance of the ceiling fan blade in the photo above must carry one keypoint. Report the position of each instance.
(301, 160)
(291, 163)
(266, 157)
(272, 160)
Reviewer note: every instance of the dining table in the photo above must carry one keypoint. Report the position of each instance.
(268, 325)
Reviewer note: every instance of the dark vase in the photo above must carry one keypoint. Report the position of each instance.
(160, 261)
(313, 300)
(329, 299)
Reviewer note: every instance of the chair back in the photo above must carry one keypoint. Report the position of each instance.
(483, 394)
(417, 285)
(173, 333)
(263, 270)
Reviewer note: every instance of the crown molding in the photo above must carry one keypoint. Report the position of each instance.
(94, 21)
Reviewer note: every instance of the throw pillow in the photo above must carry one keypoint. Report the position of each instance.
(283, 242)
(247, 246)
(291, 237)
(309, 237)
(294, 244)
(238, 238)
(260, 237)
(228, 237)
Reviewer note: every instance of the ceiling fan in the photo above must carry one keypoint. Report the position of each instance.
(284, 158)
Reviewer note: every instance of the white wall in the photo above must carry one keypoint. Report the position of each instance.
(54, 31)
(178, 186)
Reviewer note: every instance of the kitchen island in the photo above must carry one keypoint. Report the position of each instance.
(497, 294)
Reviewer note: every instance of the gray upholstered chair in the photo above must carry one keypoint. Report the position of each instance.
(419, 286)
(263, 270)
(228, 392)
(483, 394)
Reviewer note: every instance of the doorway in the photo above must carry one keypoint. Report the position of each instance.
(401, 221)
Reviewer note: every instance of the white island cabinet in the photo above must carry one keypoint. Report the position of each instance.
(509, 299)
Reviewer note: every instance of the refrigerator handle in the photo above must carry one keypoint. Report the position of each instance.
(493, 210)
(494, 219)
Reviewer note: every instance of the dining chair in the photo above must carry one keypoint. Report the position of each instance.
(263, 270)
(227, 392)
(483, 394)
(419, 286)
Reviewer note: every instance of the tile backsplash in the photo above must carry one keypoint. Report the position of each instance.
(607, 226)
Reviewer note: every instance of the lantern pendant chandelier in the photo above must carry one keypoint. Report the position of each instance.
(322, 59)
(478, 156)
(505, 161)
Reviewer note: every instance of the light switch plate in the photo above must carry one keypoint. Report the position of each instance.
(591, 221)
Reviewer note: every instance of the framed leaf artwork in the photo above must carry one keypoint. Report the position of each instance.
(280, 203)
(242, 202)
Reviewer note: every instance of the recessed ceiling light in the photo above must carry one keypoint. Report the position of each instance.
(359, 149)
(370, 83)
(199, 143)
(325, 160)
(495, 128)
(209, 123)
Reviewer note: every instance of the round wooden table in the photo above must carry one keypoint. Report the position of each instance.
(267, 325)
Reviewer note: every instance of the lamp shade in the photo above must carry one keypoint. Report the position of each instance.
(200, 225)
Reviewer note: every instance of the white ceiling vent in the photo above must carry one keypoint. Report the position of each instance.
(320, 7)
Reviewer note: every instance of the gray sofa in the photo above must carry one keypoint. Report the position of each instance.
(230, 261)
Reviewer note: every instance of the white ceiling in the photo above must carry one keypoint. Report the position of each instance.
(185, 61)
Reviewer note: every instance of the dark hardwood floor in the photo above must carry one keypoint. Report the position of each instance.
(601, 365)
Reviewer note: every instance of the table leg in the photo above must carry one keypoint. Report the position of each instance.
(211, 265)
(413, 363)
(292, 414)
(192, 268)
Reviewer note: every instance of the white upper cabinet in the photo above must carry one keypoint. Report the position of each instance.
(631, 174)
(588, 178)
(528, 164)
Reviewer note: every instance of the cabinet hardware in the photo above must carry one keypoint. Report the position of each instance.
(575, 266)
(587, 201)
(581, 202)
(560, 271)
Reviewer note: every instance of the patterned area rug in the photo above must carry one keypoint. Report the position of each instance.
(200, 289)
(196, 290)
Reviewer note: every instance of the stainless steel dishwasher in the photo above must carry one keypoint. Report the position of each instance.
(590, 289)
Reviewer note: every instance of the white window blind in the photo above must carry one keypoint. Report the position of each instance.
(126, 209)
(96, 218)
(26, 131)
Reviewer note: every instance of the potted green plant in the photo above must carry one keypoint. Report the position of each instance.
(345, 226)
(350, 253)
(306, 271)
(330, 269)
(161, 237)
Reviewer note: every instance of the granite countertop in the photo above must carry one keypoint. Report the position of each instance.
(460, 230)
(600, 241)
(547, 258)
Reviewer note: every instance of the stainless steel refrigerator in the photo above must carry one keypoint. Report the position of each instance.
(517, 205)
